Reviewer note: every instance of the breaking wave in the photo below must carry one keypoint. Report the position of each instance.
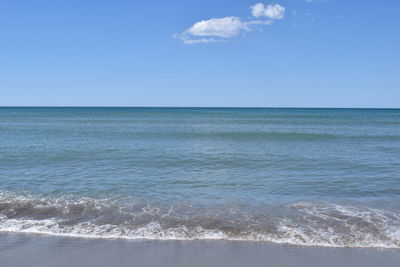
(300, 223)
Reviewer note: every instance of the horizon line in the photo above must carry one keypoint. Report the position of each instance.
(205, 107)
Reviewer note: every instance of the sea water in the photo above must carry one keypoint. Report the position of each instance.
(326, 177)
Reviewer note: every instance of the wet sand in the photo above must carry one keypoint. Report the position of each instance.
(43, 251)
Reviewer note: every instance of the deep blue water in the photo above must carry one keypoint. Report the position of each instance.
(302, 176)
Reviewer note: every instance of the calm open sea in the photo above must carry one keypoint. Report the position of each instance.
(328, 177)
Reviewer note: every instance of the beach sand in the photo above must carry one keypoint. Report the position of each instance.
(42, 250)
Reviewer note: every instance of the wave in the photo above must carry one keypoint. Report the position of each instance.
(249, 136)
(309, 223)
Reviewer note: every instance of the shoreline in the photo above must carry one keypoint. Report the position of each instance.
(21, 249)
(177, 239)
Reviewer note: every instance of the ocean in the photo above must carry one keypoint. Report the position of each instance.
(313, 177)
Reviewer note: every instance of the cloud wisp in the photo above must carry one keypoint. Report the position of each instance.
(220, 29)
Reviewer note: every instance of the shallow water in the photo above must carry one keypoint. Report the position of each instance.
(303, 176)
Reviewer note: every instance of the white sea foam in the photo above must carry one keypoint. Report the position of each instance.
(288, 234)
(306, 223)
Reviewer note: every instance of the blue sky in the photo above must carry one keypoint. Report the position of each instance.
(293, 53)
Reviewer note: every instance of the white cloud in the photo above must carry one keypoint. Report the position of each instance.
(201, 41)
(219, 29)
(273, 11)
(188, 40)
(227, 27)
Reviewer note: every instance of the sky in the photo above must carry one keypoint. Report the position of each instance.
(225, 53)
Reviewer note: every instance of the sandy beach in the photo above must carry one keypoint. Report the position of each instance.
(41, 250)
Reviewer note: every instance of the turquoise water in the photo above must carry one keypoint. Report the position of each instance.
(303, 176)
